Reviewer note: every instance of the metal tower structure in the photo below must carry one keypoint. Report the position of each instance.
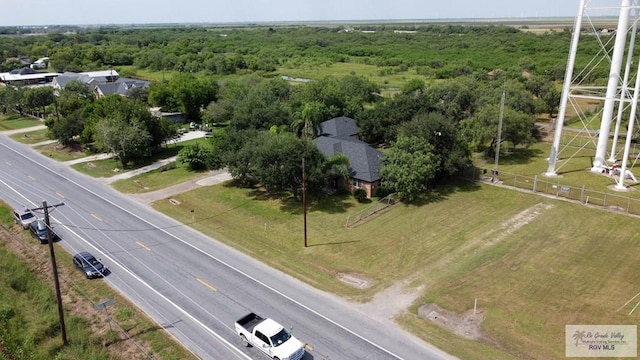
(616, 95)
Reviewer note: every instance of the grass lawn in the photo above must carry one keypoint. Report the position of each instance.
(60, 153)
(29, 327)
(31, 137)
(155, 180)
(535, 264)
(111, 167)
(15, 121)
(374, 73)
(567, 264)
(147, 74)
(573, 168)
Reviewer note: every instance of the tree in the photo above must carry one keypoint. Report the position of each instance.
(116, 106)
(127, 139)
(197, 157)
(139, 93)
(160, 95)
(218, 112)
(185, 92)
(481, 130)
(443, 134)
(413, 85)
(261, 107)
(35, 100)
(550, 97)
(10, 98)
(271, 159)
(230, 147)
(74, 96)
(409, 166)
(341, 96)
(277, 162)
(337, 169)
(66, 128)
(453, 98)
(380, 124)
(309, 119)
(70, 121)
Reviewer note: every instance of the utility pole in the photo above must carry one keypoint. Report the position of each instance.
(494, 173)
(304, 203)
(63, 330)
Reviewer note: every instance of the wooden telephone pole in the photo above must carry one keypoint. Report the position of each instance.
(304, 203)
(63, 329)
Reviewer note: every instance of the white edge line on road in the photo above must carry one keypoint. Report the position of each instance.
(145, 283)
(218, 260)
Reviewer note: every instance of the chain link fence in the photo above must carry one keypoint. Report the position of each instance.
(374, 208)
(555, 187)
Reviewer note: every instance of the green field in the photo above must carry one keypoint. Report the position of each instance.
(29, 325)
(385, 77)
(111, 167)
(15, 121)
(156, 179)
(31, 137)
(535, 264)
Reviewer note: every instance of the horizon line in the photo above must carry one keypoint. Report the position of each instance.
(292, 22)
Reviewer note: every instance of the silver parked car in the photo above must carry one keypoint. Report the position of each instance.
(24, 218)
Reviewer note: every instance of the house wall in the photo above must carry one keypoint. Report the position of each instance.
(367, 186)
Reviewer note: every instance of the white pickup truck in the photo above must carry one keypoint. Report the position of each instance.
(269, 337)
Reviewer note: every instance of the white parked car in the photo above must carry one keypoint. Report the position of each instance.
(24, 218)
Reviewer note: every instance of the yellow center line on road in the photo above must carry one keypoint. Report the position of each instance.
(143, 246)
(206, 284)
(96, 217)
(60, 195)
(31, 177)
(308, 347)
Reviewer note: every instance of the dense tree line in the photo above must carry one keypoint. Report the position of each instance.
(451, 118)
(270, 123)
(435, 51)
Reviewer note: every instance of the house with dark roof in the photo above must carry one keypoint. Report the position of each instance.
(120, 87)
(61, 81)
(340, 135)
(341, 127)
(90, 78)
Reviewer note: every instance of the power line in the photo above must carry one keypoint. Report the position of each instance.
(63, 329)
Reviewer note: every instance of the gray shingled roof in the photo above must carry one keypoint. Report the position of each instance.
(121, 86)
(131, 83)
(23, 71)
(67, 77)
(364, 161)
(112, 88)
(340, 127)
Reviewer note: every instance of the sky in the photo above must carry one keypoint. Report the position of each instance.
(95, 12)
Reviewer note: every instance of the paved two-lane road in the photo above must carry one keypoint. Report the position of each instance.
(190, 284)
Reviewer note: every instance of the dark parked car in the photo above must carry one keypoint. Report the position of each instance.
(38, 229)
(89, 265)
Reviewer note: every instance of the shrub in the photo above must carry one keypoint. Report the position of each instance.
(196, 157)
(360, 195)
(381, 191)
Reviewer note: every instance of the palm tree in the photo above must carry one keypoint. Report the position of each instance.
(337, 168)
(578, 335)
(307, 125)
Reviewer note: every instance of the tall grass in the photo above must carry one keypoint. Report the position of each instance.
(29, 327)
